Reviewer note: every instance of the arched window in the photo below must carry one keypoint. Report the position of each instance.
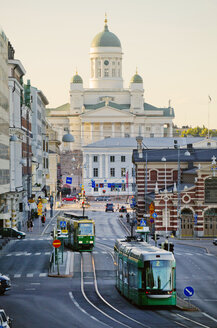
(153, 175)
(175, 176)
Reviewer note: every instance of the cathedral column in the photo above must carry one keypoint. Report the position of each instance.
(91, 132)
(113, 130)
(131, 130)
(122, 130)
(170, 130)
(101, 130)
(82, 133)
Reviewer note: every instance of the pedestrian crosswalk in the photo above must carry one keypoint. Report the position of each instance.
(27, 254)
(193, 254)
(27, 275)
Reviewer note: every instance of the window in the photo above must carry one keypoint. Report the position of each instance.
(95, 159)
(123, 159)
(153, 175)
(123, 171)
(112, 159)
(106, 72)
(96, 189)
(123, 187)
(95, 172)
(113, 72)
(133, 172)
(112, 172)
(99, 72)
(211, 190)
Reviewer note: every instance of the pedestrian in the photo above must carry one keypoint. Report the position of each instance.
(51, 206)
(31, 225)
(118, 208)
(43, 219)
(28, 225)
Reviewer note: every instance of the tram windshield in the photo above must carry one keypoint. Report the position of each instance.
(85, 229)
(157, 275)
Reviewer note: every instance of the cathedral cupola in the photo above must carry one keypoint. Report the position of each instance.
(106, 60)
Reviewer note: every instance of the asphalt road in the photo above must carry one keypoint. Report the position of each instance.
(37, 300)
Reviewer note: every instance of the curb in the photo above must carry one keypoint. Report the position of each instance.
(186, 305)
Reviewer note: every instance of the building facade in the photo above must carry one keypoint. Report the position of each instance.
(40, 139)
(4, 130)
(182, 187)
(106, 108)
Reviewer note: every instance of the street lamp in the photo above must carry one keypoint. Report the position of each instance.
(163, 159)
(187, 153)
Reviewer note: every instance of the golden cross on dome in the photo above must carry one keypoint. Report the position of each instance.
(105, 19)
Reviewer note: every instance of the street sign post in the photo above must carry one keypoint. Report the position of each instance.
(56, 245)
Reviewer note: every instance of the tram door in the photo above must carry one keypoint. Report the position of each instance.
(187, 223)
(210, 222)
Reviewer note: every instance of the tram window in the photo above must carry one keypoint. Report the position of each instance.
(157, 275)
(85, 229)
(120, 267)
(210, 226)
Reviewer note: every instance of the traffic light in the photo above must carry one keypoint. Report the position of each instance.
(168, 247)
(175, 144)
(155, 237)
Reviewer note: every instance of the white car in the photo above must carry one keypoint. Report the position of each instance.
(5, 321)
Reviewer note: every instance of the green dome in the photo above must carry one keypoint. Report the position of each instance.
(76, 79)
(106, 39)
(136, 79)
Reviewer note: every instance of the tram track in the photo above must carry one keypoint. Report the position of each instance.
(93, 297)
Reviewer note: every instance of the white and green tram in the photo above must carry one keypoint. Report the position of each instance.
(146, 275)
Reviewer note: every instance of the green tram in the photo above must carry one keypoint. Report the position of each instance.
(146, 275)
(80, 229)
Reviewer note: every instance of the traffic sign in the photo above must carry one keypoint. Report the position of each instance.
(69, 180)
(151, 220)
(189, 291)
(56, 243)
(62, 224)
(40, 206)
(195, 218)
(142, 223)
(154, 215)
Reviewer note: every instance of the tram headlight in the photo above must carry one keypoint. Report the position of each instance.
(80, 242)
(91, 241)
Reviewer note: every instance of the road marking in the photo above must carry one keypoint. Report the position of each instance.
(29, 275)
(37, 254)
(17, 275)
(188, 254)
(47, 253)
(199, 324)
(209, 254)
(9, 255)
(43, 275)
(208, 316)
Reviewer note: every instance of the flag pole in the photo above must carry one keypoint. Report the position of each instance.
(210, 99)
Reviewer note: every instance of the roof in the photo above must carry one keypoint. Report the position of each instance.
(106, 39)
(136, 79)
(76, 79)
(151, 143)
(171, 155)
(64, 107)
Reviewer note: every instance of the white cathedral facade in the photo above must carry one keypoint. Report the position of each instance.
(106, 109)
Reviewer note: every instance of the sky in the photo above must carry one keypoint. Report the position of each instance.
(173, 43)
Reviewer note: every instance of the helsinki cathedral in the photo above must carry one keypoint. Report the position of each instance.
(106, 109)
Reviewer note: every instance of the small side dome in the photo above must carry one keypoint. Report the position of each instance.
(136, 79)
(76, 79)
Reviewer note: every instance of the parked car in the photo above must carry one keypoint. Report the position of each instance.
(123, 209)
(102, 199)
(69, 199)
(12, 232)
(215, 241)
(5, 283)
(109, 207)
(5, 321)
